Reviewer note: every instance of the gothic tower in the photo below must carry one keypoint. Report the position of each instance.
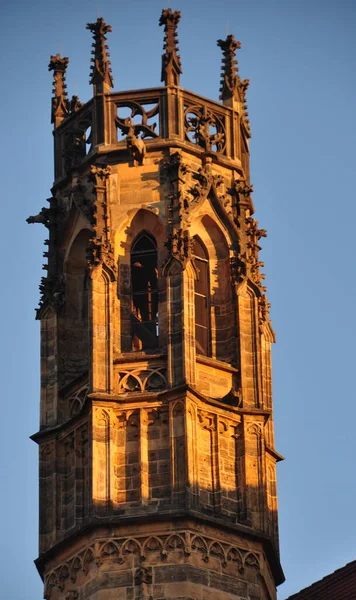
(157, 459)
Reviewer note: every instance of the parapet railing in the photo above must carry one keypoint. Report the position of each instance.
(155, 115)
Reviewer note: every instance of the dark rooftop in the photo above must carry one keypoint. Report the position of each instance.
(339, 585)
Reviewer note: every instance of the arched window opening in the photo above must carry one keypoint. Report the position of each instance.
(201, 299)
(144, 293)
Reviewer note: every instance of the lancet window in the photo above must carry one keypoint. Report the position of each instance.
(144, 293)
(201, 299)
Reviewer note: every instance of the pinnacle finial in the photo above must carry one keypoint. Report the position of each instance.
(229, 74)
(171, 64)
(58, 65)
(100, 69)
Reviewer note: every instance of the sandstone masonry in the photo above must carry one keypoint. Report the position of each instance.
(157, 459)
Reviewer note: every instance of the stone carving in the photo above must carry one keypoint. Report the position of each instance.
(252, 249)
(109, 549)
(102, 417)
(142, 380)
(135, 146)
(216, 549)
(75, 403)
(75, 567)
(179, 244)
(234, 555)
(152, 544)
(99, 175)
(174, 542)
(128, 125)
(129, 418)
(171, 64)
(176, 169)
(263, 310)
(132, 546)
(50, 583)
(207, 420)
(52, 290)
(243, 187)
(75, 104)
(87, 558)
(251, 560)
(229, 428)
(201, 545)
(245, 120)
(205, 182)
(63, 575)
(77, 138)
(191, 188)
(60, 104)
(79, 197)
(100, 251)
(246, 262)
(52, 285)
(42, 217)
(204, 128)
(185, 198)
(167, 545)
(255, 429)
(100, 69)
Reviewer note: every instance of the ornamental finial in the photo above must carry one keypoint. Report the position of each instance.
(100, 69)
(171, 65)
(229, 74)
(58, 65)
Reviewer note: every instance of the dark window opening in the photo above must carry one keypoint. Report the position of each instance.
(144, 293)
(201, 300)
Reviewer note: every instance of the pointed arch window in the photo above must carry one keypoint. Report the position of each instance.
(144, 293)
(201, 299)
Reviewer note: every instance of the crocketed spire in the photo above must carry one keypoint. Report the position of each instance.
(229, 73)
(171, 65)
(100, 69)
(58, 65)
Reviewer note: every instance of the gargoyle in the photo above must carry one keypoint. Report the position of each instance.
(135, 146)
(42, 217)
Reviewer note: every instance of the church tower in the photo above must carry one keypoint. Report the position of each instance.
(157, 459)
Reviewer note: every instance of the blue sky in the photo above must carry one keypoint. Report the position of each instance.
(300, 57)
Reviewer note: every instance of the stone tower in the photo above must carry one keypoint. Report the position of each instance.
(157, 460)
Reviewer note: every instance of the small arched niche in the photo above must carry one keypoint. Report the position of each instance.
(73, 335)
(76, 277)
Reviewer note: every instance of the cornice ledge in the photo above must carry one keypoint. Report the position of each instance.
(217, 364)
(181, 518)
(139, 396)
(50, 432)
(274, 453)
